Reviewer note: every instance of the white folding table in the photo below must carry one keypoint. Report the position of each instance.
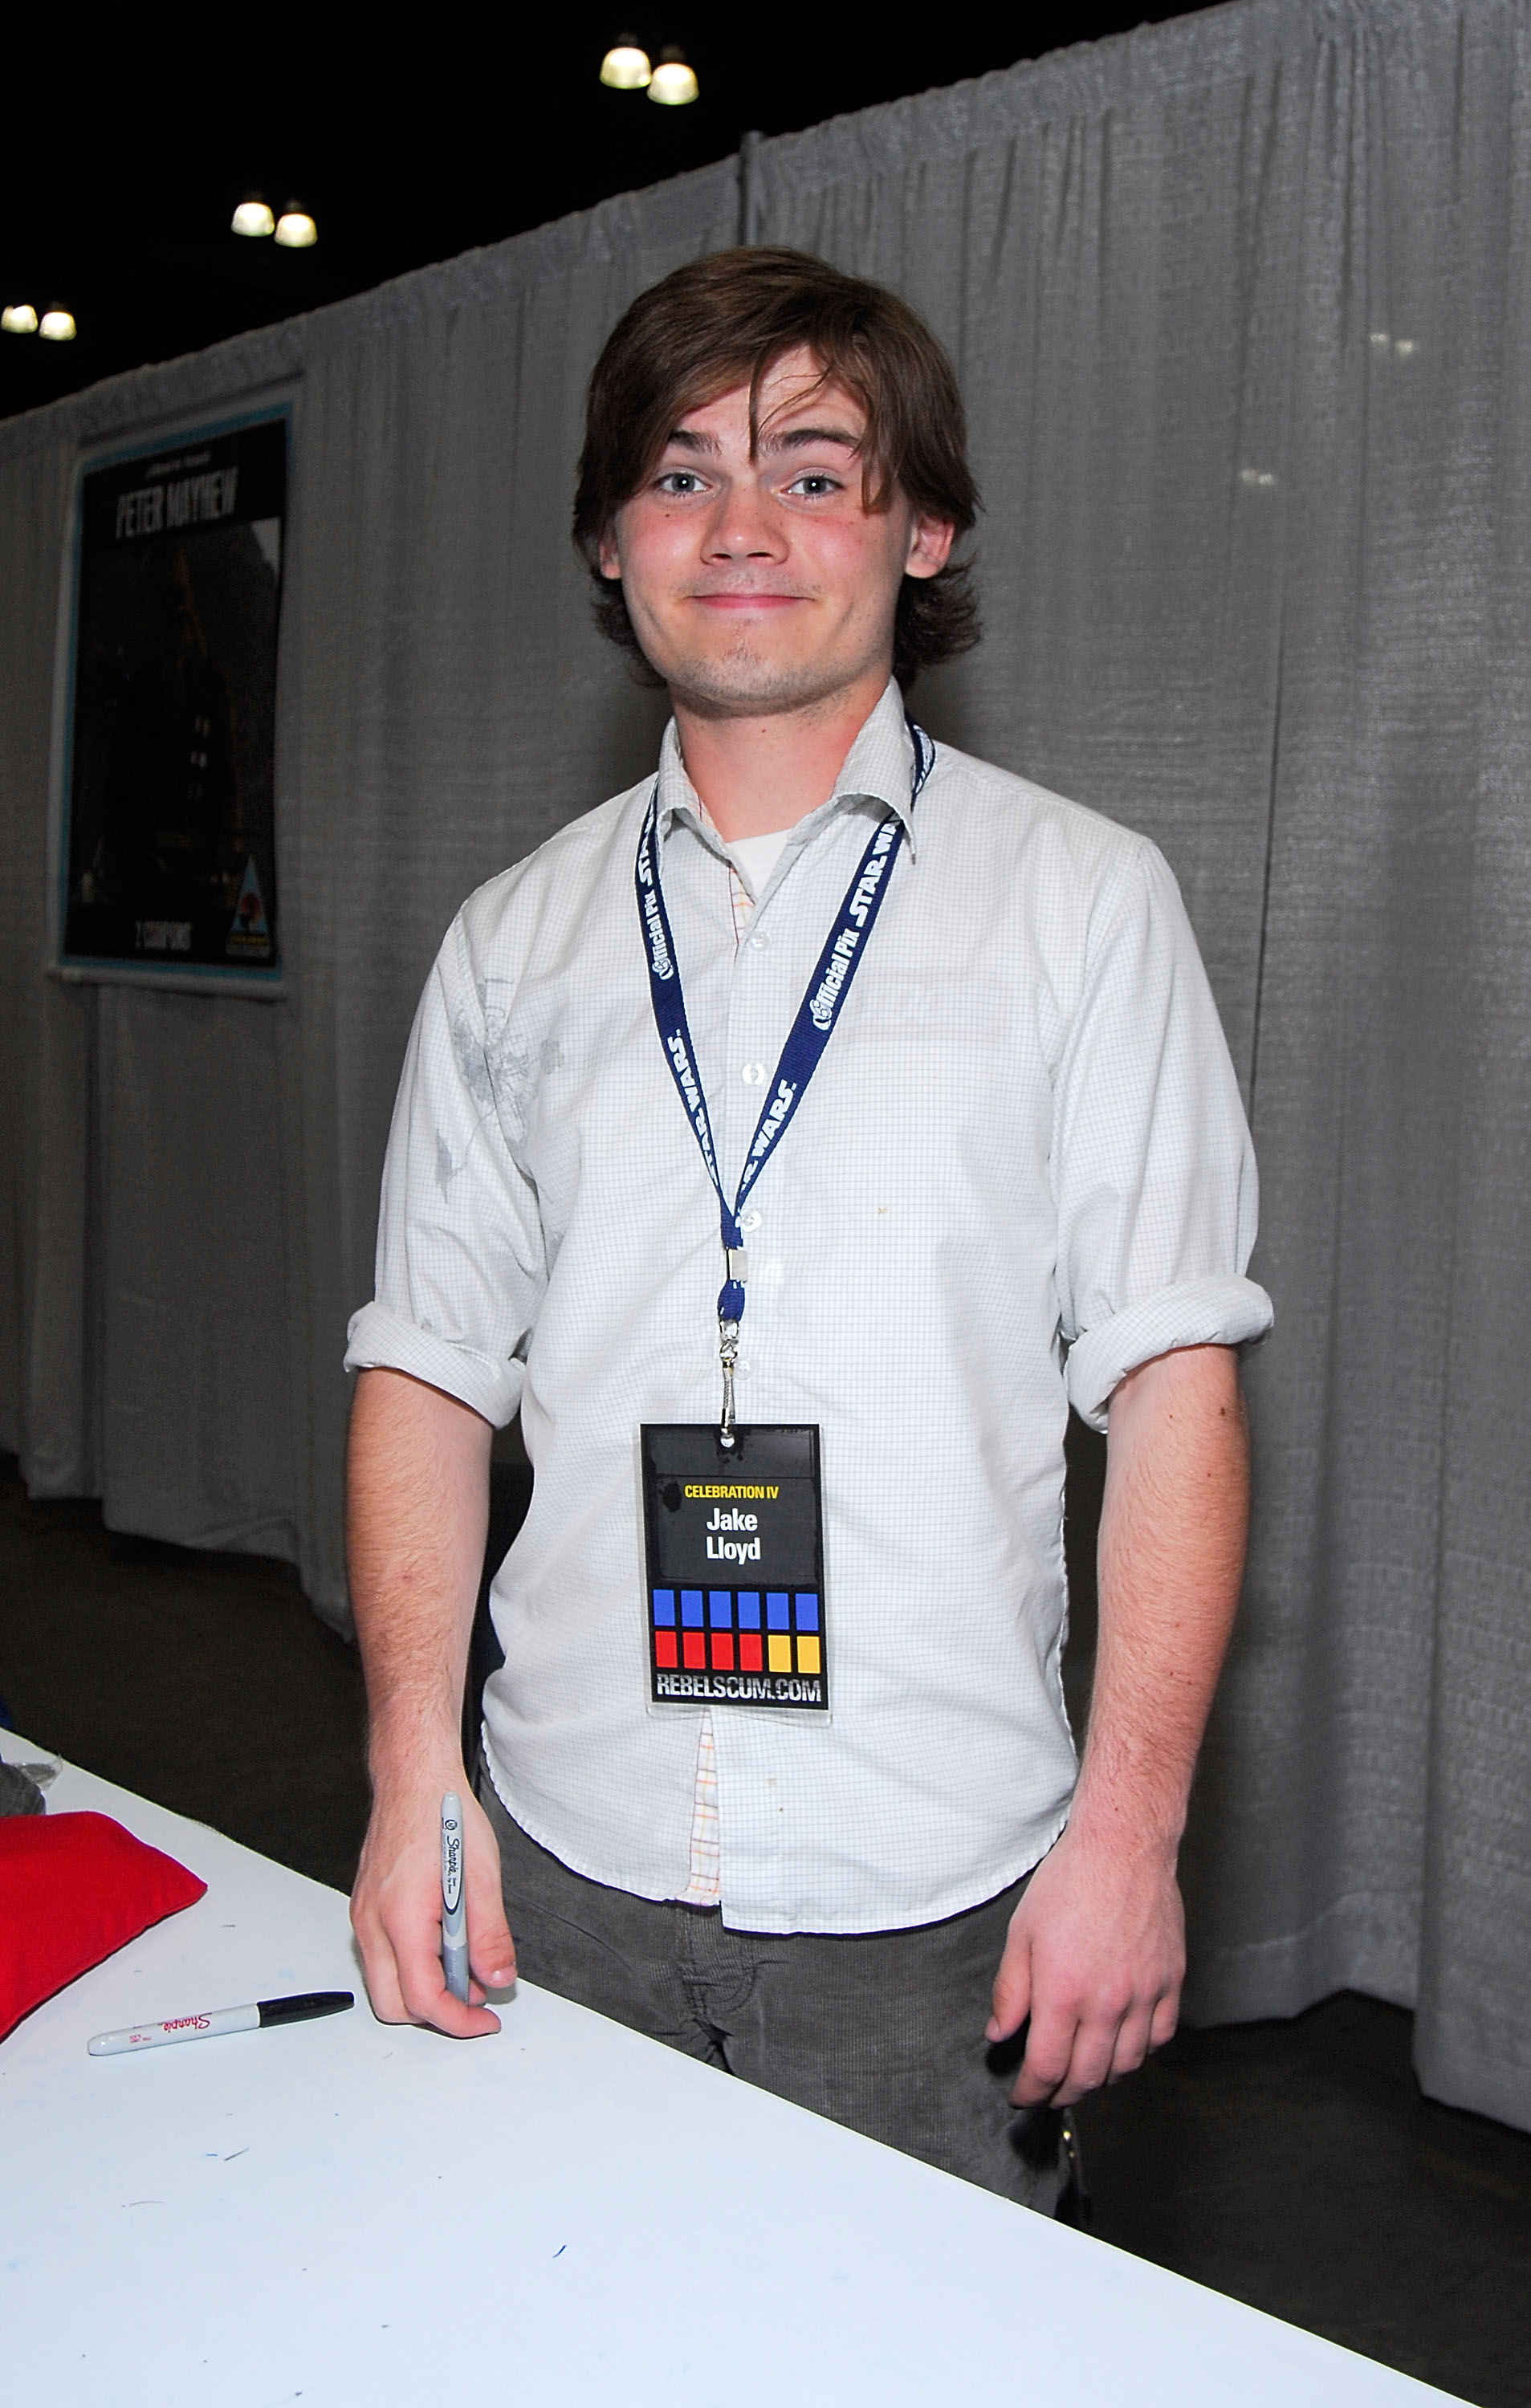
(349, 2213)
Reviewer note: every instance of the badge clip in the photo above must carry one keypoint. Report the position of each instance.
(730, 1304)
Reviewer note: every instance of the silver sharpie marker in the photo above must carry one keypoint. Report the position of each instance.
(299, 2010)
(454, 1912)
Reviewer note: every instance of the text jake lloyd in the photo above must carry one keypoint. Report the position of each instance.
(732, 1551)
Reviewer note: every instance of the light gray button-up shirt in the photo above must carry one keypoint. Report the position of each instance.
(1021, 1170)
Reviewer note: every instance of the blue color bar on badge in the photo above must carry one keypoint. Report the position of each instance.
(664, 1609)
(720, 1608)
(807, 1605)
(749, 1609)
(692, 1607)
(778, 1617)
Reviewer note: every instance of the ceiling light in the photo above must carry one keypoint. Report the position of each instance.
(296, 229)
(672, 83)
(57, 327)
(19, 319)
(625, 67)
(254, 216)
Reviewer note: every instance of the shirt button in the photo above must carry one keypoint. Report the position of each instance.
(753, 1073)
(750, 1220)
(757, 944)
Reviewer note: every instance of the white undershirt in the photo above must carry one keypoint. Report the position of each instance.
(757, 856)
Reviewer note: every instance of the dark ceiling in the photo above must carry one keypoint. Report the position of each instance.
(128, 139)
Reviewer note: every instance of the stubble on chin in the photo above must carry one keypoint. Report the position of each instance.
(742, 680)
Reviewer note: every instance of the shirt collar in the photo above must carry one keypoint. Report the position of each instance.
(879, 768)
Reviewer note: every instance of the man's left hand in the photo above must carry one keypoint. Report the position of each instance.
(1095, 1957)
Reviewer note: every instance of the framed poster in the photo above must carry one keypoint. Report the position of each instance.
(167, 848)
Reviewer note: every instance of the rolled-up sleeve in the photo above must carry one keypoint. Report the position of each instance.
(460, 1261)
(1153, 1169)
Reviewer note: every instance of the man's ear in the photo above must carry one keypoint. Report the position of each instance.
(931, 540)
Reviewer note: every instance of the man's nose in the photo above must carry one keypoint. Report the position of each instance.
(745, 526)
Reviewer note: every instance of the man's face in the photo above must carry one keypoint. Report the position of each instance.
(764, 585)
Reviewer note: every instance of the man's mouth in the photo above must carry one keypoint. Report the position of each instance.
(747, 599)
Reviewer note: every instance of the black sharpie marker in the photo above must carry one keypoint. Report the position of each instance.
(299, 2010)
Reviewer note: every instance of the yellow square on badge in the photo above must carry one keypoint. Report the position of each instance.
(808, 1657)
(779, 1653)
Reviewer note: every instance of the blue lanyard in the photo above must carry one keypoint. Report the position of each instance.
(806, 1039)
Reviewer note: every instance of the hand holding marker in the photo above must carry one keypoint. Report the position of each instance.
(454, 1912)
(265, 2011)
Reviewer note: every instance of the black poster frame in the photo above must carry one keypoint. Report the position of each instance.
(167, 870)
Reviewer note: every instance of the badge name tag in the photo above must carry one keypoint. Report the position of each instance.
(735, 1551)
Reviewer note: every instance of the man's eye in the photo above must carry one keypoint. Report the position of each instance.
(680, 480)
(814, 484)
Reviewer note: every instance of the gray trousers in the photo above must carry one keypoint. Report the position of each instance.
(882, 2030)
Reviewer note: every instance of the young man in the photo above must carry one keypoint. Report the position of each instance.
(791, 1139)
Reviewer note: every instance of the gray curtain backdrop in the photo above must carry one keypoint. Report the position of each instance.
(192, 1197)
(1240, 309)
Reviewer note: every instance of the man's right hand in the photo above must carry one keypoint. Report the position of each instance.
(396, 1910)
(417, 1514)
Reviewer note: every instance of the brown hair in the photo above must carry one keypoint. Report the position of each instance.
(724, 320)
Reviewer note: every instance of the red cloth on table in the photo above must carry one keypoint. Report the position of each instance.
(74, 1888)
